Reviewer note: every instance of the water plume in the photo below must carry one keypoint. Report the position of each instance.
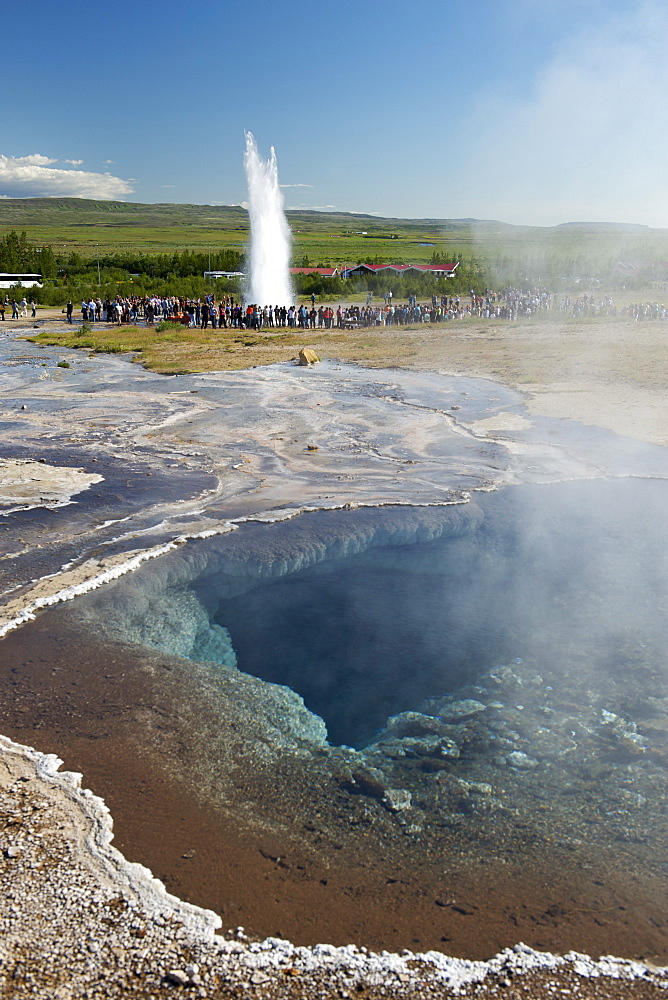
(269, 282)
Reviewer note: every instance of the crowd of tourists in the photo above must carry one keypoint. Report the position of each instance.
(153, 308)
(645, 310)
(202, 313)
(228, 313)
(225, 313)
(589, 305)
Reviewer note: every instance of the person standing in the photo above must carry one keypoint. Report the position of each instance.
(69, 309)
(2, 310)
(15, 309)
(33, 308)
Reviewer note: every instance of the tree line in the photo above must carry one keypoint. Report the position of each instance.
(70, 274)
(18, 255)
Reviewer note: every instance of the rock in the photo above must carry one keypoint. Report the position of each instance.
(413, 724)
(13, 852)
(461, 709)
(624, 732)
(481, 787)
(177, 977)
(521, 760)
(307, 356)
(397, 799)
(259, 978)
(370, 781)
(430, 746)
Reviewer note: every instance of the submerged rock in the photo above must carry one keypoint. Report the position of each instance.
(397, 799)
(521, 760)
(461, 709)
(370, 781)
(413, 724)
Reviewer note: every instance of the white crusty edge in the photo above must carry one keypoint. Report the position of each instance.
(271, 954)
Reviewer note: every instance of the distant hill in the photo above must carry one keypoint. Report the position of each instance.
(17, 212)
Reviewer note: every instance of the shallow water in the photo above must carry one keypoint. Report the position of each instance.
(519, 638)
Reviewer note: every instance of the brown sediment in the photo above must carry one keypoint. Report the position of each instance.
(330, 879)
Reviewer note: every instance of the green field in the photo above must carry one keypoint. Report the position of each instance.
(566, 258)
(83, 226)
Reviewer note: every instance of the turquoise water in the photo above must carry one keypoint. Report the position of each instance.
(492, 677)
(556, 575)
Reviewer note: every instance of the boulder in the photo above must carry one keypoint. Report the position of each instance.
(307, 356)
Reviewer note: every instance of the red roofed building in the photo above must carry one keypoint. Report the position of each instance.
(438, 270)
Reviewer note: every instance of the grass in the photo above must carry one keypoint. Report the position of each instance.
(180, 349)
(187, 350)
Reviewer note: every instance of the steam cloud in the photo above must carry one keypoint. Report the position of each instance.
(587, 143)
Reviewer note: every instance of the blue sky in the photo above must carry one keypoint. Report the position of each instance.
(501, 109)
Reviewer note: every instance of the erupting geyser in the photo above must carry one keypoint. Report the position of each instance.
(269, 282)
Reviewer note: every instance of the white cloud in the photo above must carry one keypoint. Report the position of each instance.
(296, 185)
(75, 163)
(34, 160)
(33, 177)
(167, 185)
